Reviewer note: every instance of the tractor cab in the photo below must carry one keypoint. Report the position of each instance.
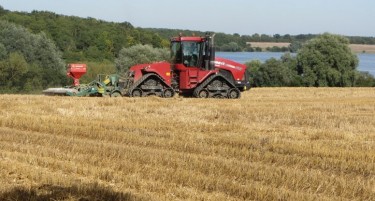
(192, 60)
(187, 52)
(193, 52)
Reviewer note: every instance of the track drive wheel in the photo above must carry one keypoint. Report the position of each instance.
(203, 93)
(234, 93)
(137, 92)
(168, 93)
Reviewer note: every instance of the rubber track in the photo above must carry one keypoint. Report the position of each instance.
(207, 81)
(140, 81)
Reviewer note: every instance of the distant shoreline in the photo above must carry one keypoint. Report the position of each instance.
(356, 48)
(359, 48)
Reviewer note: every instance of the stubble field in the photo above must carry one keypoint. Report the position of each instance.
(272, 144)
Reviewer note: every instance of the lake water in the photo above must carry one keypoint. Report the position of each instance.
(366, 61)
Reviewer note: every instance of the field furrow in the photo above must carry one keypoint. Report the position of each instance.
(272, 144)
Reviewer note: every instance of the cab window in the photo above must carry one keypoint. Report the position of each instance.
(190, 53)
(176, 53)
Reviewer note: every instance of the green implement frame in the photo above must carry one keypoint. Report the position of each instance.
(104, 85)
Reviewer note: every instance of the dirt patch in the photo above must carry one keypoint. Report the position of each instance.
(359, 48)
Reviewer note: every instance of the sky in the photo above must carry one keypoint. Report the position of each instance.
(245, 17)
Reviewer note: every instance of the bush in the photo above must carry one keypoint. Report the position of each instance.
(95, 68)
(364, 79)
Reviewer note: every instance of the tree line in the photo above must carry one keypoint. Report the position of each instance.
(97, 40)
(84, 38)
(236, 42)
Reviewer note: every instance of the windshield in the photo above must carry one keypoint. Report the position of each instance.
(186, 52)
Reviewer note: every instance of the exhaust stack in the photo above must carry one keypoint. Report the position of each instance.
(209, 60)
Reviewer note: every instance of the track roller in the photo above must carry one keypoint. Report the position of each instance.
(203, 93)
(137, 92)
(168, 93)
(234, 93)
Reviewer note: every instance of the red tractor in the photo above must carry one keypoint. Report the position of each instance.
(193, 71)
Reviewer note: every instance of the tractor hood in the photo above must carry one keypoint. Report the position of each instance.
(228, 64)
(237, 70)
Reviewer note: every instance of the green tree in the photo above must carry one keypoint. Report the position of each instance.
(274, 72)
(139, 54)
(94, 68)
(295, 46)
(327, 61)
(3, 52)
(289, 63)
(17, 66)
(12, 70)
(277, 37)
(266, 38)
(256, 37)
(253, 71)
(230, 47)
(2, 11)
(37, 50)
(32, 81)
(93, 54)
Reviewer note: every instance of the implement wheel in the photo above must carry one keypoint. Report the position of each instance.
(115, 94)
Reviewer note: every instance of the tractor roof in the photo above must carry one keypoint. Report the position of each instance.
(187, 38)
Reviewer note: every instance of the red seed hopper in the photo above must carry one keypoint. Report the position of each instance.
(76, 71)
